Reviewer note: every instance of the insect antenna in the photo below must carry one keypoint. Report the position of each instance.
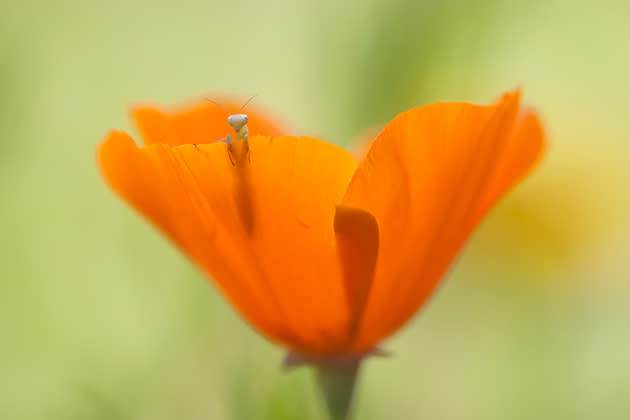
(219, 105)
(246, 103)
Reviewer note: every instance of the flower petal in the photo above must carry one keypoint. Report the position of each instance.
(523, 149)
(427, 179)
(261, 227)
(357, 241)
(203, 122)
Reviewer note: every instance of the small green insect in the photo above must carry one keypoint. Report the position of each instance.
(238, 122)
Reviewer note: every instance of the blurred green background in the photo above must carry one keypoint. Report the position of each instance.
(101, 318)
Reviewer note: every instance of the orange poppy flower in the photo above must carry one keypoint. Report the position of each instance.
(322, 254)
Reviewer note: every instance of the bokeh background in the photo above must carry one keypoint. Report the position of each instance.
(101, 318)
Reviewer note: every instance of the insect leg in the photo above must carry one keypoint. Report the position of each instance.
(230, 141)
(246, 139)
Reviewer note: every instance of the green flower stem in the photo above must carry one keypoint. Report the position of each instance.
(336, 381)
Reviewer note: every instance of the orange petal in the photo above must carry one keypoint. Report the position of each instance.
(425, 179)
(262, 228)
(155, 126)
(357, 241)
(522, 150)
(203, 122)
